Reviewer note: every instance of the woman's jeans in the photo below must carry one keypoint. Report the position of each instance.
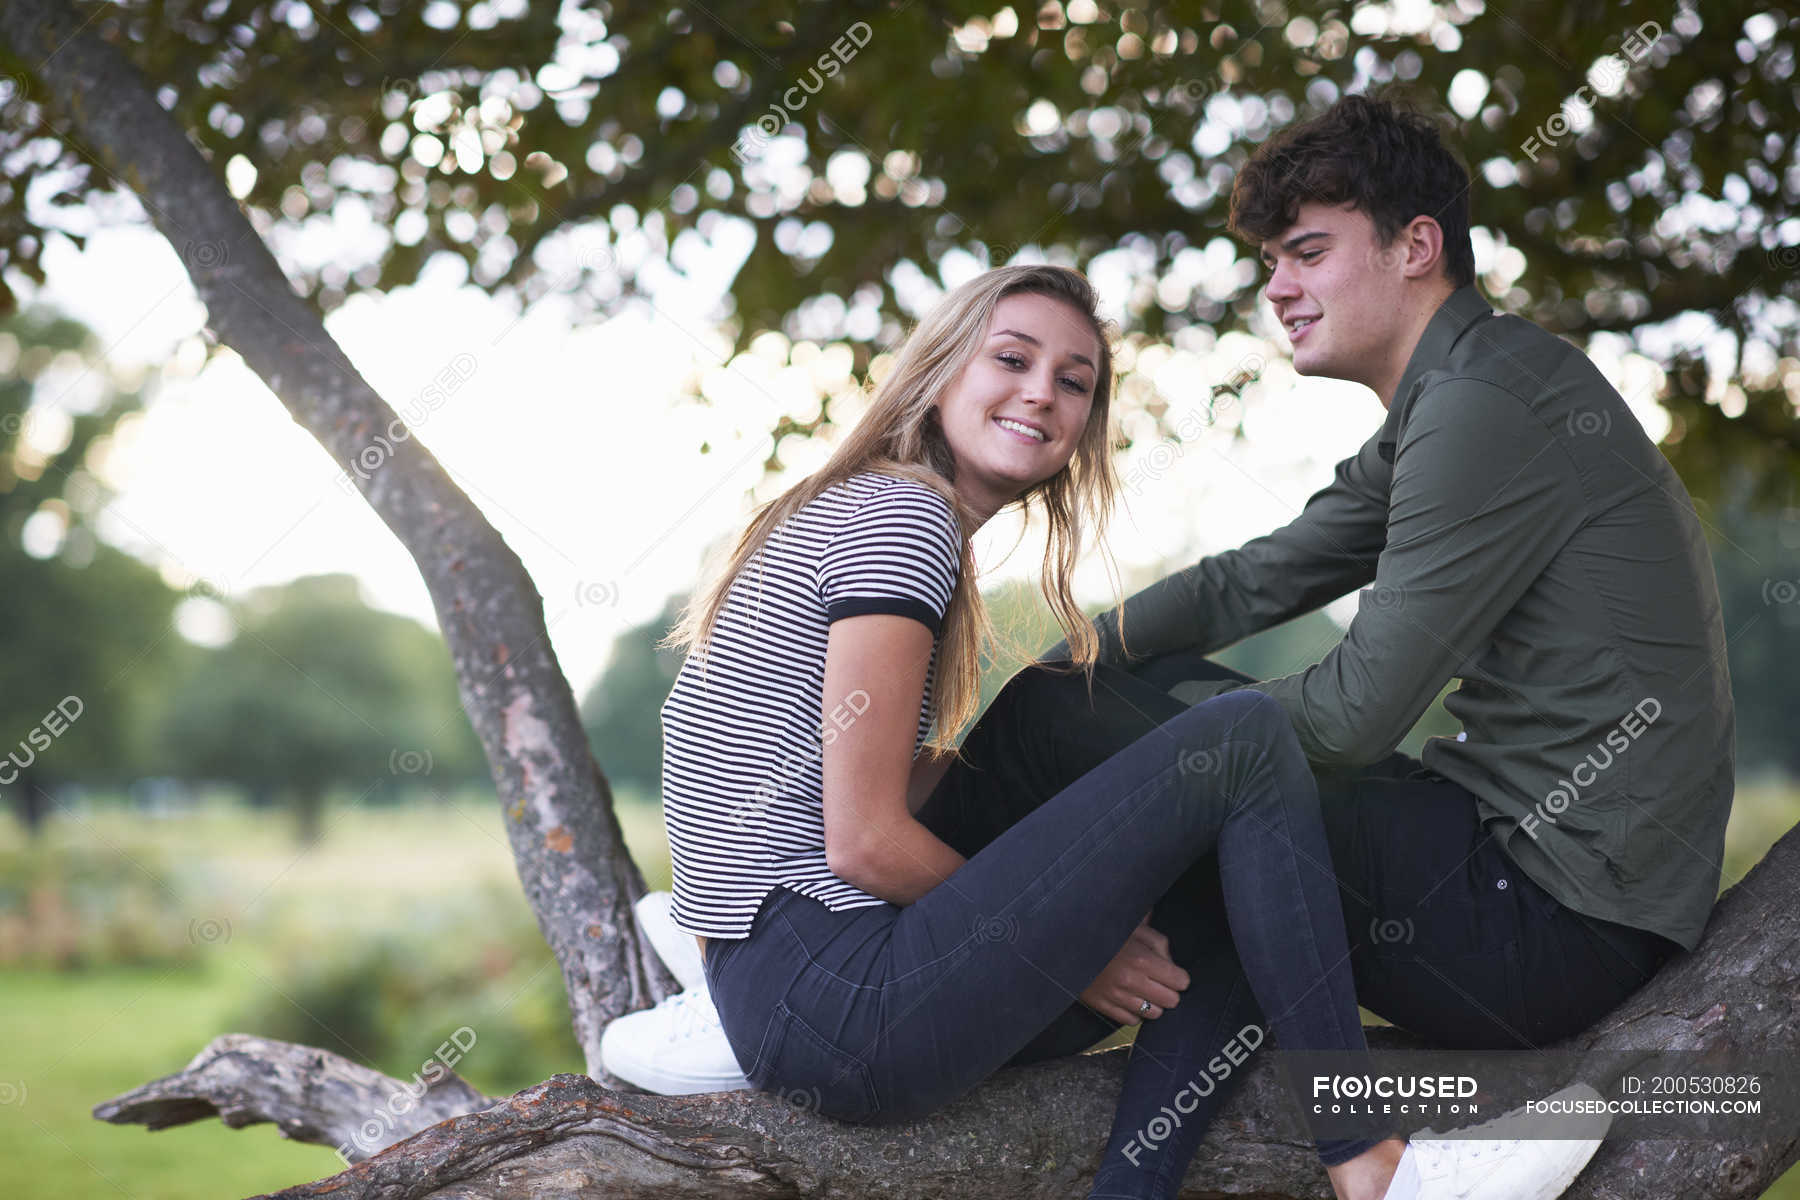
(1208, 814)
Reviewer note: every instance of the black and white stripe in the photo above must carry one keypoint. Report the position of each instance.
(743, 742)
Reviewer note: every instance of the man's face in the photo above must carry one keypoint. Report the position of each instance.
(1338, 293)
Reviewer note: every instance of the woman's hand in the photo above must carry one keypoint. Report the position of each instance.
(1141, 971)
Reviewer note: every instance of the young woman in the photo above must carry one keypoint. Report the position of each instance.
(881, 931)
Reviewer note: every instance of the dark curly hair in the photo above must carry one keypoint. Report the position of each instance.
(1380, 153)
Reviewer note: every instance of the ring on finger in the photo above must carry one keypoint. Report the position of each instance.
(1143, 1008)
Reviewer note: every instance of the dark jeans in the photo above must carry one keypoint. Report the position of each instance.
(1435, 944)
(1448, 938)
(887, 1012)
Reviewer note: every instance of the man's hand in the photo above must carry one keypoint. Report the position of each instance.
(1141, 971)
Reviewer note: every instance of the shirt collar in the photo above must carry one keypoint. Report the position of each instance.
(1454, 317)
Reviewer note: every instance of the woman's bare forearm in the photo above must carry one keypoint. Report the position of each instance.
(898, 861)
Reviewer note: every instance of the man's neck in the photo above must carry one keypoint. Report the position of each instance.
(1418, 316)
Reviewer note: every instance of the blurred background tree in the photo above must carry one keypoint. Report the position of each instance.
(1634, 189)
(622, 712)
(315, 690)
(1635, 177)
(78, 617)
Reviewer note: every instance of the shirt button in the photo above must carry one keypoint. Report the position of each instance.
(1501, 884)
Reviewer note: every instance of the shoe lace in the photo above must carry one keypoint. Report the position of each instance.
(1434, 1156)
(693, 1014)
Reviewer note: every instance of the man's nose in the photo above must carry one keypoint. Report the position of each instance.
(1282, 284)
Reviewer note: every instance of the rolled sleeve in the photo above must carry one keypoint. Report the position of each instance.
(899, 552)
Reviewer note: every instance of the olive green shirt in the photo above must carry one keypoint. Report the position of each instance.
(1515, 530)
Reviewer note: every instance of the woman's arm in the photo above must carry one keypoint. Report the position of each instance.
(873, 786)
(875, 668)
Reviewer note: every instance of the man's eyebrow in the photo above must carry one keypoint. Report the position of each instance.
(1298, 240)
(1083, 359)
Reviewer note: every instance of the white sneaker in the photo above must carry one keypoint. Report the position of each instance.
(1510, 1168)
(677, 1048)
(678, 950)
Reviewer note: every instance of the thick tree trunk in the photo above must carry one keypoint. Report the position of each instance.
(565, 838)
(1031, 1132)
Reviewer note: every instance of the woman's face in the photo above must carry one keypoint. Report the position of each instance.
(1014, 415)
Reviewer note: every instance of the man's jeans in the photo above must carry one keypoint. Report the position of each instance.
(887, 1012)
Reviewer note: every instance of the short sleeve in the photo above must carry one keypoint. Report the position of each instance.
(898, 552)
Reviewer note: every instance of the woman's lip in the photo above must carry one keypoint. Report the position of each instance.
(1023, 437)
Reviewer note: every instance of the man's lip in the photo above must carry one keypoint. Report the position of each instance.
(1292, 332)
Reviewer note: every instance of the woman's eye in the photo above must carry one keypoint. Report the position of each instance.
(1073, 384)
(1011, 360)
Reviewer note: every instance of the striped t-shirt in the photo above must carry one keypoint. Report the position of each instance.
(743, 745)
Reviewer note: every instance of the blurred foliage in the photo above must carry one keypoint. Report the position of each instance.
(391, 999)
(317, 689)
(78, 906)
(314, 689)
(79, 618)
(1756, 556)
(856, 156)
(378, 963)
(622, 712)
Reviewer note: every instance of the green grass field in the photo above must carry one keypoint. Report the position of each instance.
(76, 1040)
(258, 911)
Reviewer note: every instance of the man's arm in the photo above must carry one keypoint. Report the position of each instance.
(1328, 550)
(1483, 498)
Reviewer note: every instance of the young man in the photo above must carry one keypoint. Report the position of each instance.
(1513, 529)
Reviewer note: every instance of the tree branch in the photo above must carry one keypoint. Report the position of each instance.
(1031, 1132)
(312, 1095)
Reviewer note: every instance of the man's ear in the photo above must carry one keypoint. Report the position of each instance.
(1423, 241)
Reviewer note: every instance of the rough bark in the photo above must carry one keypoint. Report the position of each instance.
(565, 837)
(1032, 1132)
(312, 1095)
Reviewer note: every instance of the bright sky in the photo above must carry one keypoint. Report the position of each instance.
(581, 444)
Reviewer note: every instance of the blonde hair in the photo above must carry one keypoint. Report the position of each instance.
(900, 436)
